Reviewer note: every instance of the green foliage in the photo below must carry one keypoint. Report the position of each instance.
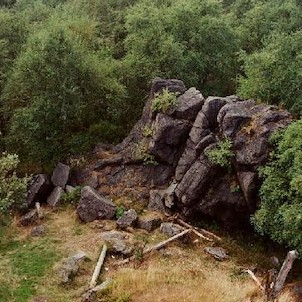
(141, 153)
(119, 211)
(280, 213)
(73, 196)
(164, 101)
(222, 154)
(274, 74)
(13, 189)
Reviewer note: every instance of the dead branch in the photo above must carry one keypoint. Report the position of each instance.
(98, 267)
(157, 246)
(182, 223)
(91, 294)
(255, 279)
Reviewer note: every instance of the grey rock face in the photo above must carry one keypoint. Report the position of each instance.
(129, 218)
(92, 206)
(120, 242)
(70, 266)
(39, 189)
(60, 175)
(54, 198)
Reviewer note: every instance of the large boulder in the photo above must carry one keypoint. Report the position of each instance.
(60, 175)
(128, 219)
(54, 198)
(92, 206)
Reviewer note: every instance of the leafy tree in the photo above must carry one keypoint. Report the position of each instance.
(59, 87)
(274, 74)
(280, 213)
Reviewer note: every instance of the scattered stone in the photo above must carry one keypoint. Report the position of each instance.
(55, 197)
(171, 229)
(70, 266)
(129, 218)
(38, 230)
(60, 175)
(92, 206)
(119, 242)
(29, 218)
(39, 189)
(69, 189)
(218, 253)
(150, 221)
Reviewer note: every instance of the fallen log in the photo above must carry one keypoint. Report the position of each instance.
(98, 267)
(157, 246)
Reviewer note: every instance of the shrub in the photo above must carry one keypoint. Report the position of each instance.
(280, 213)
(222, 154)
(164, 101)
(12, 188)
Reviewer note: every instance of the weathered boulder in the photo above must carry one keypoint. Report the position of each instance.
(150, 221)
(60, 175)
(92, 206)
(39, 189)
(171, 229)
(29, 218)
(119, 242)
(128, 219)
(54, 198)
(70, 266)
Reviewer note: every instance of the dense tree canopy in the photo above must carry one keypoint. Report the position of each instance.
(75, 72)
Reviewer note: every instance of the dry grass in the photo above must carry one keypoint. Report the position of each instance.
(176, 274)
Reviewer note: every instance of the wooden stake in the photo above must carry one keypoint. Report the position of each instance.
(98, 267)
(157, 246)
(39, 210)
(286, 267)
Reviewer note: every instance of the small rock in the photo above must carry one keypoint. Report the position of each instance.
(29, 218)
(150, 222)
(170, 229)
(92, 206)
(69, 189)
(55, 197)
(156, 201)
(70, 266)
(120, 242)
(60, 175)
(128, 219)
(218, 253)
(275, 261)
(38, 230)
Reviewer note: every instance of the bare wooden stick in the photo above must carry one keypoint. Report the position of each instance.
(286, 267)
(158, 246)
(255, 279)
(98, 267)
(181, 222)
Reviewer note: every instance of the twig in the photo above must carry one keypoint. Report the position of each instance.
(98, 267)
(255, 279)
(157, 246)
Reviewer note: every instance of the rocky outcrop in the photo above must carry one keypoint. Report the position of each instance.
(172, 147)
